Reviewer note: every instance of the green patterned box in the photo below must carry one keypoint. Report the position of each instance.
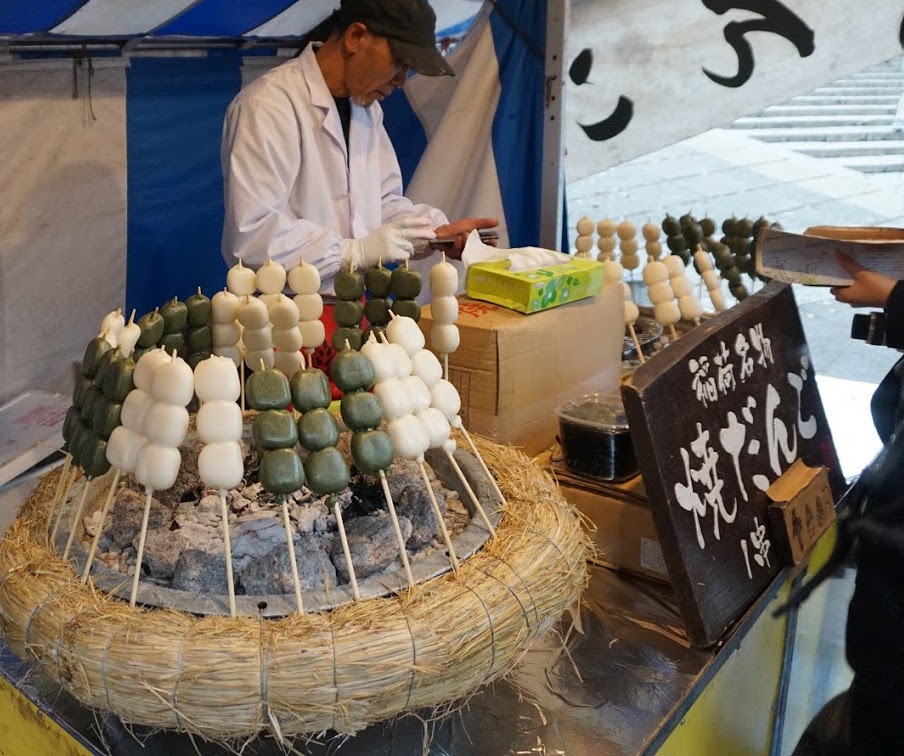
(538, 289)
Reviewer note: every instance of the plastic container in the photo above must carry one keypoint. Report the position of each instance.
(593, 431)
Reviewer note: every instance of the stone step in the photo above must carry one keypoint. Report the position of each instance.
(850, 149)
(887, 100)
(897, 73)
(859, 91)
(806, 122)
(872, 81)
(837, 134)
(797, 109)
(871, 163)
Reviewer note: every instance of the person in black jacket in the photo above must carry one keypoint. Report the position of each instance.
(868, 718)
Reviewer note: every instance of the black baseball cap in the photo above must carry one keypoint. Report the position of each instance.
(408, 25)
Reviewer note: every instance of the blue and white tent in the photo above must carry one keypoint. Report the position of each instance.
(111, 113)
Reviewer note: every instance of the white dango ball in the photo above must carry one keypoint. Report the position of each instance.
(718, 299)
(444, 396)
(409, 437)
(654, 249)
(583, 244)
(626, 230)
(224, 307)
(661, 292)
(667, 313)
(690, 307)
(585, 226)
(225, 334)
(165, 424)
(310, 306)
(437, 426)
(650, 231)
(444, 309)
(606, 227)
(425, 366)
(147, 365)
(157, 466)
(253, 313)
(134, 408)
(123, 447)
(404, 331)
(612, 272)
(287, 339)
(628, 247)
(312, 333)
(704, 263)
(655, 272)
(289, 363)
(381, 358)
(631, 312)
(220, 465)
(173, 383)
(267, 299)
(111, 326)
(216, 378)
(304, 278)
(443, 280)
(128, 338)
(418, 393)
(450, 446)
(254, 358)
(626, 291)
(240, 280)
(283, 312)
(258, 339)
(271, 277)
(401, 359)
(394, 398)
(444, 337)
(230, 352)
(219, 420)
(630, 262)
(675, 266)
(681, 287)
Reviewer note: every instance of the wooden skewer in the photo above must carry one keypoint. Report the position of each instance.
(398, 531)
(63, 500)
(474, 500)
(59, 489)
(291, 545)
(100, 528)
(310, 354)
(460, 426)
(78, 517)
(446, 366)
(224, 514)
(140, 555)
(439, 517)
(672, 333)
(242, 381)
(348, 554)
(636, 343)
(696, 321)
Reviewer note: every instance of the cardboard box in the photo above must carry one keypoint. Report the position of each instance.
(621, 523)
(514, 370)
(538, 289)
(802, 509)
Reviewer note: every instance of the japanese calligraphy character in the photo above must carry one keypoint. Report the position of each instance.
(760, 542)
(708, 476)
(704, 385)
(732, 440)
(761, 344)
(725, 379)
(776, 19)
(777, 433)
(797, 528)
(741, 348)
(809, 521)
(807, 428)
(617, 121)
(822, 510)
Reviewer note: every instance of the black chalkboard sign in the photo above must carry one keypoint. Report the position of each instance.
(715, 418)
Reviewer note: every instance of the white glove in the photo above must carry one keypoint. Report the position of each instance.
(392, 241)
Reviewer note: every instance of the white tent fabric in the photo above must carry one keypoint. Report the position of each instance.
(62, 217)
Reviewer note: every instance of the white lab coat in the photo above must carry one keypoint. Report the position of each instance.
(293, 188)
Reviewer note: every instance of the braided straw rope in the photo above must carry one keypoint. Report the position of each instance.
(232, 677)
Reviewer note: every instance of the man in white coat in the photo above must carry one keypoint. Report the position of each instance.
(308, 167)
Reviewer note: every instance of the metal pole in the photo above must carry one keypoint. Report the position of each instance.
(553, 176)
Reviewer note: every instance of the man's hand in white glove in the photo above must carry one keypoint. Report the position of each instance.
(392, 241)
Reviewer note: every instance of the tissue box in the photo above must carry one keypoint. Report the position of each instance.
(538, 289)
